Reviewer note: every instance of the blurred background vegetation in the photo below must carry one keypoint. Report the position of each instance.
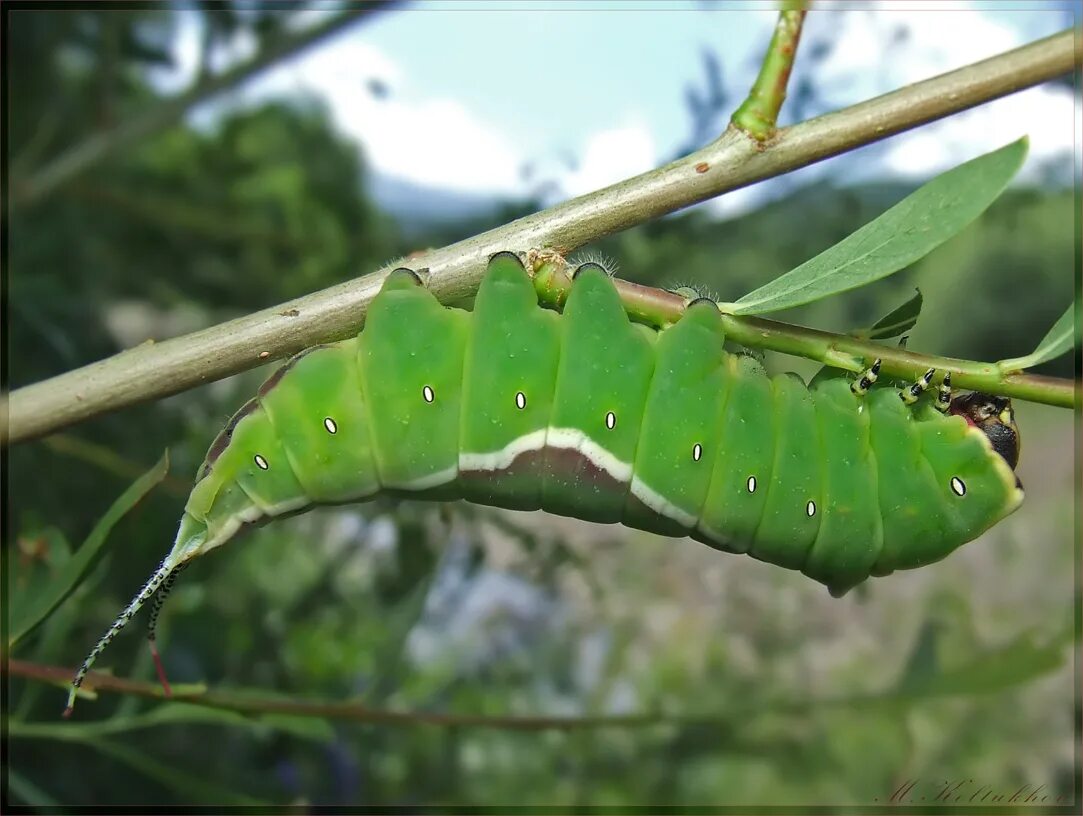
(760, 688)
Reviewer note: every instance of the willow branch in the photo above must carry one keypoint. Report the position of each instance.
(758, 114)
(732, 161)
(128, 134)
(658, 307)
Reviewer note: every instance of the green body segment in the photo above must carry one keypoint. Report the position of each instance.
(962, 460)
(742, 471)
(794, 505)
(586, 414)
(919, 516)
(411, 361)
(602, 380)
(508, 383)
(682, 425)
(324, 426)
(851, 531)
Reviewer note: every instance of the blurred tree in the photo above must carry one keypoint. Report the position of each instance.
(766, 691)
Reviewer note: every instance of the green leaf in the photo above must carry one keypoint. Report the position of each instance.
(194, 788)
(30, 793)
(308, 728)
(27, 617)
(1058, 340)
(923, 663)
(908, 231)
(1019, 662)
(895, 323)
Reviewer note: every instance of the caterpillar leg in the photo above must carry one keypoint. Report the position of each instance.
(910, 394)
(862, 384)
(149, 588)
(152, 627)
(943, 395)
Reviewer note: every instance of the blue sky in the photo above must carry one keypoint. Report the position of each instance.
(592, 93)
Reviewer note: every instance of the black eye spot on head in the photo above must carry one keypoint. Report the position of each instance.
(994, 417)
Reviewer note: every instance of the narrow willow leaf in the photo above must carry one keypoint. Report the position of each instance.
(38, 608)
(308, 728)
(1021, 661)
(895, 323)
(908, 231)
(1057, 341)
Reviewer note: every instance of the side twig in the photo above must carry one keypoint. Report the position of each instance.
(659, 307)
(344, 711)
(156, 370)
(758, 114)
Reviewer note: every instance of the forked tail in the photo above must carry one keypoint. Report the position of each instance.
(166, 570)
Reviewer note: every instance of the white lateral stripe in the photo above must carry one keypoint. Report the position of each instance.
(425, 482)
(502, 459)
(575, 439)
(661, 505)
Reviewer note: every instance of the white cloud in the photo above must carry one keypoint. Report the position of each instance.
(436, 142)
(872, 56)
(443, 140)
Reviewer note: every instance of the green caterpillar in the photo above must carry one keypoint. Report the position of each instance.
(586, 414)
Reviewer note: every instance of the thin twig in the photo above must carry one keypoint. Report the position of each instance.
(659, 307)
(733, 161)
(128, 134)
(351, 712)
(758, 114)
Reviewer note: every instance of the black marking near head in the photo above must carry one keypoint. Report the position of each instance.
(410, 272)
(995, 417)
(589, 265)
(506, 254)
(221, 442)
(275, 378)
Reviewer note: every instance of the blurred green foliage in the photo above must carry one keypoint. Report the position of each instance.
(765, 690)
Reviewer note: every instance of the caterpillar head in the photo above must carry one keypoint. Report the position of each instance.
(995, 417)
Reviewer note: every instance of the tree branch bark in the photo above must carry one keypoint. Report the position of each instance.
(734, 160)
